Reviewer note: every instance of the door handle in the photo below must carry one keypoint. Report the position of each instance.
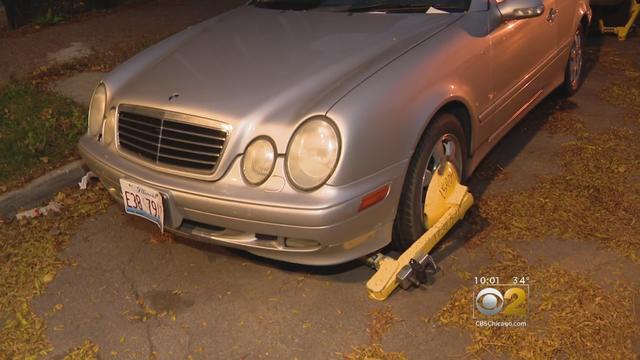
(553, 14)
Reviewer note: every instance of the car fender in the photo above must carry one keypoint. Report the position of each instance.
(382, 120)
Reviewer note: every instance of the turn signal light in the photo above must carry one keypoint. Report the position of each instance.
(374, 197)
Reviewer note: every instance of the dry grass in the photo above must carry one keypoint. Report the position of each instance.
(87, 351)
(161, 238)
(29, 261)
(618, 60)
(571, 316)
(381, 321)
(373, 352)
(624, 93)
(595, 196)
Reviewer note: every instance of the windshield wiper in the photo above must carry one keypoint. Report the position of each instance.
(389, 8)
(386, 7)
(285, 4)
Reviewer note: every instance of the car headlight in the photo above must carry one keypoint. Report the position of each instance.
(313, 153)
(97, 109)
(259, 160)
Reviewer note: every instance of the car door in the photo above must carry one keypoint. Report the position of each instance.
(563, 20)
(521, 51)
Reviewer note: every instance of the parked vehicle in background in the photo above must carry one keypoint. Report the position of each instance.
(307, 131)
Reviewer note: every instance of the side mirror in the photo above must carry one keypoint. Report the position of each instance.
(520, 9)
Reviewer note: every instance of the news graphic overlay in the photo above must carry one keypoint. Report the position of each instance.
(501, 304)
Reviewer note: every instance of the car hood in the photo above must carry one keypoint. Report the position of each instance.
(262, 70)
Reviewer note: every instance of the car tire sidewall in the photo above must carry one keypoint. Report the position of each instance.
(409, 225)
(569, 87)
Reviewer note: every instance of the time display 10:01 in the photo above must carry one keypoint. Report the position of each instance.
(487, 280)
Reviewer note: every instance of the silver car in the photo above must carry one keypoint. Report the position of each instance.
(307, 131)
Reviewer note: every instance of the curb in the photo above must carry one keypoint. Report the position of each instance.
(40, 189)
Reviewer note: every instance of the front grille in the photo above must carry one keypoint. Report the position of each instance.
(170, 143)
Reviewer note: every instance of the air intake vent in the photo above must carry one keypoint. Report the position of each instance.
(170, 143)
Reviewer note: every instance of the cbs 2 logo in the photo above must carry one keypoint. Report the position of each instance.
(490, 301)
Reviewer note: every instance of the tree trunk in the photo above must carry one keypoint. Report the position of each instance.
(17, 12)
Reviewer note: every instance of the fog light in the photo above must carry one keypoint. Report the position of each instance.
(300, 243)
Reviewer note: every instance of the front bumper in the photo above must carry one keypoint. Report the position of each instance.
(324, 225)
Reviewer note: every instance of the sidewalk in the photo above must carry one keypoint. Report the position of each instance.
(21, 54)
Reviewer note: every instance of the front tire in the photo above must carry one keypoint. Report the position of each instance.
(443, 139)
(573, 73)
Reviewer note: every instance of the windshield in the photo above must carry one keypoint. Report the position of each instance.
(388, 6)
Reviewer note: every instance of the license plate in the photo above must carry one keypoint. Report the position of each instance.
(142, 201)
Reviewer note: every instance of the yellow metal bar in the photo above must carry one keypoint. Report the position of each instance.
(446, 203)
(622, 31)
